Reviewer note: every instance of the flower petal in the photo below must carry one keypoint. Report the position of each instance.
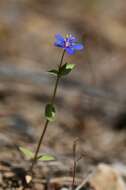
(70, 51)
(78, 46)
(59, 37)
(59, 44)
(73, 39)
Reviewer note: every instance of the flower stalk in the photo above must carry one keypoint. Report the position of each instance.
(47, 121)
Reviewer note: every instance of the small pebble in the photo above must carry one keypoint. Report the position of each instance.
(28, 179)
(9, 174)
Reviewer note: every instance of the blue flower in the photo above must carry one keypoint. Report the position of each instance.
(69, 43)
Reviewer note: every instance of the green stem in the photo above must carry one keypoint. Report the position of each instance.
(57, 79)
(47, 121)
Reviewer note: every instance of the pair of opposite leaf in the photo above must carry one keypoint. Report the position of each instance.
(30, 155)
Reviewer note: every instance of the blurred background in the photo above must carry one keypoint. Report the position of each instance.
(91, 101)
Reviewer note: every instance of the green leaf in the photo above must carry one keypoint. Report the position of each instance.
(53, 72)
(66, 69)
(50, 112)
(70, 66)
(46, 157)
(28, 153)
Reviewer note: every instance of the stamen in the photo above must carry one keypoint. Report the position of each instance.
(67, 35)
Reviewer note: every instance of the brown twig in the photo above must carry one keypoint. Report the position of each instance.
(74, 163)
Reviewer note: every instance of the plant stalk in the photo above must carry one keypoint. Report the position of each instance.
(47, 121)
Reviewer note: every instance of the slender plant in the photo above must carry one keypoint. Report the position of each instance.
(70, 45)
